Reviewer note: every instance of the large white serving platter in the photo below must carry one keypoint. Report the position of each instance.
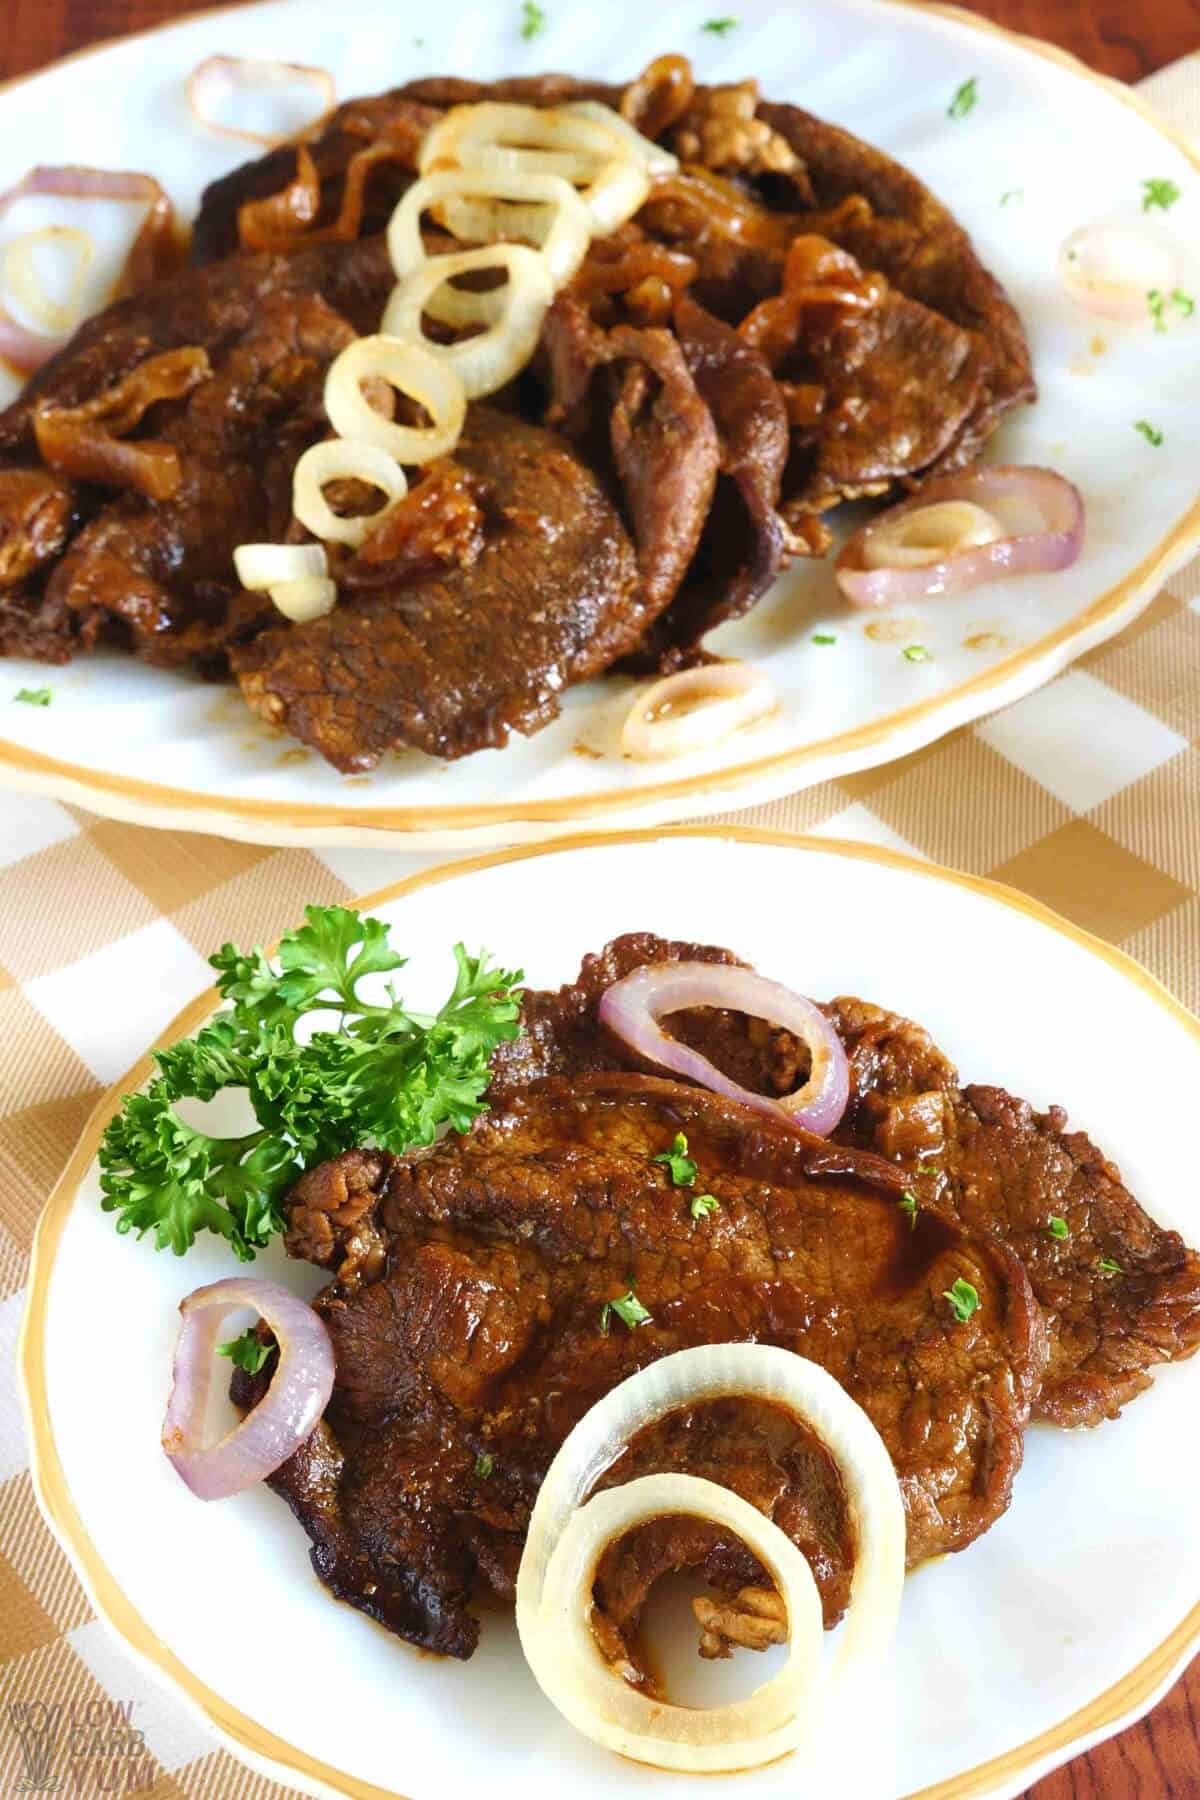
(1062, 144)
(1064, 1622)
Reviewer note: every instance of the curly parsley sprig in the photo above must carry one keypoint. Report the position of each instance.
(377, 1074)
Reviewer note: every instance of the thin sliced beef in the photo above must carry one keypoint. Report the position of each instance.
(467, 1319)
(1007, 1168)
(456, 661)
(1003, 1167)
(742, 545)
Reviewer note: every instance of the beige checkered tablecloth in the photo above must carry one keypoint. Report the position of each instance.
(1086, 795)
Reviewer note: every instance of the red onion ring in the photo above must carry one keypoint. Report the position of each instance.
(286, 1415)
(153, 252)
(632, 1008)
(1039, 511)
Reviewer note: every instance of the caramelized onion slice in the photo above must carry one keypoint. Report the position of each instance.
(491, 359)
(568, 1532)
(217, 77)
(634, 1007)
(412, 370)
(695, 708)
(981, 525)
(342, 460)
(283, 1419)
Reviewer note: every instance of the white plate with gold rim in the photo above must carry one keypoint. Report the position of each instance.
(1064, 1622)
(165, 749)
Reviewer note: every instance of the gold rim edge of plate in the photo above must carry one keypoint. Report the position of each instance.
(48, 774)
(1110, 1709)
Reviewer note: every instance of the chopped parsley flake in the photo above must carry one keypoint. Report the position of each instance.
(246, 1352)
(1110, 1267)
(1151, 433)
(33, 696)
(1156, 300)
(1160, 193)
(719, 27)
(533, 20)
(916, 653)
(824, 637)
(683, 1169)
(485, 1462)
(1058, 1228)
(908, 1204)
(704, 1204)
(965, 96)
(1012, 194)
(963, 1298)
(628, 1309)
(1182, 302)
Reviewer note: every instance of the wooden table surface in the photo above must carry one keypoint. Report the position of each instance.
(1158, 1759)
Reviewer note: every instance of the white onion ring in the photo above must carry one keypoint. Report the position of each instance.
(568, 1532)
(657, 160)
(343, 460)
(695, 708)
(633, 1007)
(1110, 267)
(501, 137)
(1040, 514)
(928, 534)
(261, 566)
(306, 598)
(490, 360)
(412, 370)
(55, 317)
(217, 76)
(563, 240)
(283, 1419)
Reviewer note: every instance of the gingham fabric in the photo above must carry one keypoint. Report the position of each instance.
(1085, 795)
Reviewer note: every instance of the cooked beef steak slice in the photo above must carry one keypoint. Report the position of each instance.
(459, 660)
(1003, 1167)
(80, 557)
(467, 1318)
(1010, 1169)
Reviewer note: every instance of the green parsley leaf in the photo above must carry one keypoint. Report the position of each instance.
(916, 653)
(963, 1298)
(1109, 1266)
(1012, 194)
(485, 1462)
(908, 1204)
(1160, 193)
(1058, 1228)
(703, 1204)
(824, 637)
(533, 19)
(246, 1352)
(1151, 433)
(628, 1309)
(965, 97)
(683, 1169)
(33, 696)
(719, 27)
(382, 1076)
(1182, 302)
(1157, 302)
